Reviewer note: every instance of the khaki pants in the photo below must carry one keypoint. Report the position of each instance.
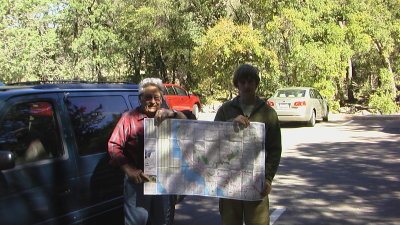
(253, 212)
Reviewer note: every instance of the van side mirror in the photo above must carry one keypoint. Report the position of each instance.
(7, 160)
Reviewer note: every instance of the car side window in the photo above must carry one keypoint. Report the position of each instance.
(164, 104)
(312, 94)
(180, 91)
(317, 95)
(169, 90)
(30, 131)
(93, 120)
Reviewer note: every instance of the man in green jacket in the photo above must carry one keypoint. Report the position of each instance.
(242, 110)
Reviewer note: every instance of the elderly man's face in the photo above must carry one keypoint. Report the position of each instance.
(151, 100)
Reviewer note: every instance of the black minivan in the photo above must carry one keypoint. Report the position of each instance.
(53, 153)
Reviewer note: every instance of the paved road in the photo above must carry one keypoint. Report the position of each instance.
(340, 172)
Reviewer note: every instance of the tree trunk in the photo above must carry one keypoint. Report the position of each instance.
(99, 73)
(349, 82)
(349, 72)
(174, 69)
(393, 83)
(135, 59)
(386, 61)
(339, 92)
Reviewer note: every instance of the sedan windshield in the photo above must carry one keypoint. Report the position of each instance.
(290, 93)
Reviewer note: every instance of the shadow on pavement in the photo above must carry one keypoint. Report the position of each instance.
(341, 183)
(197, 210)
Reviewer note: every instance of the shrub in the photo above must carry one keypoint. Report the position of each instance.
(383, 104)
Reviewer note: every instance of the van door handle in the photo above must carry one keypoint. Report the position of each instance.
(65, 191)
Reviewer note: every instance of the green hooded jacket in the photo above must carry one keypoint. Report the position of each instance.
(263, 113)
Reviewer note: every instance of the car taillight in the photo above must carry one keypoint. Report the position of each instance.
(270, 103)
(303, 103)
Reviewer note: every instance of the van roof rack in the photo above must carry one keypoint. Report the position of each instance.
(38, 82)
(71, 84)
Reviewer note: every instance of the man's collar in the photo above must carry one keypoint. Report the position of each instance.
(140, 115)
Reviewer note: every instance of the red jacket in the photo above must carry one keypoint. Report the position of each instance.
(126, 144)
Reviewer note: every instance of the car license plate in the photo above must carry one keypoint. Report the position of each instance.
(284, 105)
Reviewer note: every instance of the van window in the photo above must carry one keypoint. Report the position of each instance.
(30, 131)
(134, 100)
(93, 120)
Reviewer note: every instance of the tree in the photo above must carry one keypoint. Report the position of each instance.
(89, 34)
(373, 31)
(347, 49)
(309, 45)
(29, 44)
(222, 49)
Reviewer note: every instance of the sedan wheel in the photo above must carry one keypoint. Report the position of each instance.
(326, 117)
(312, 120)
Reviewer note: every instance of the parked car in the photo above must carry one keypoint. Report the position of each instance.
(299, 104)
(178, 98)
(54, 164)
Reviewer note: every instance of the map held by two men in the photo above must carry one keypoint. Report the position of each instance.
(192, 157)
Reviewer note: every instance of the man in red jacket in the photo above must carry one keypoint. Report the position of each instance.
(126, 149)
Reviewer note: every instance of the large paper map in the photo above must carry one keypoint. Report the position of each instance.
(192, 157)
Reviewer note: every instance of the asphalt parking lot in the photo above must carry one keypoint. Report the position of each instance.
(340, 172)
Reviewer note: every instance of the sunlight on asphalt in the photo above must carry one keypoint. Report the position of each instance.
(276, 214)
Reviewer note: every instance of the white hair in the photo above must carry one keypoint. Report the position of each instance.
(151, 82)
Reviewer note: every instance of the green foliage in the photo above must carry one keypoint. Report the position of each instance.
(311, 48)
(343, 49)
(28, 46)
(221, 50)
(383, 103)
(382, 99)
(386, 86)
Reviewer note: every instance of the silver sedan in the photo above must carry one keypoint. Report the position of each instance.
(299, 104)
